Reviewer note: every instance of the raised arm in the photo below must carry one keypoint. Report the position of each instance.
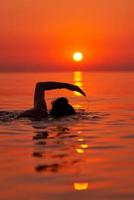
(39, 100)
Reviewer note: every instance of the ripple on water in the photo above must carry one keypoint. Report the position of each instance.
(76, 148)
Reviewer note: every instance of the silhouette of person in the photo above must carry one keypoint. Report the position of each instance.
(60, 106)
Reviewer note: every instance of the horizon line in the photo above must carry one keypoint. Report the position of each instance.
(58, 71)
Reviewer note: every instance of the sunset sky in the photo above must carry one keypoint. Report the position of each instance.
(42, 35)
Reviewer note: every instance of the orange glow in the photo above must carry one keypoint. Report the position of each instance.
(77, 106)
(80, 139)
(78, 81)
(79, 132)
(81, 186)
(44, 36)
(84, 146)
(80, 151)
(105, 168)
(77, 56)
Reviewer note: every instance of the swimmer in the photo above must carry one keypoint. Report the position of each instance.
(60, 106)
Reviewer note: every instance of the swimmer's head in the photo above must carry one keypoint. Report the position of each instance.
(61, 107)
(62, 101)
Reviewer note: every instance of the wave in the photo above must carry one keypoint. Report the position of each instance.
(6, 116)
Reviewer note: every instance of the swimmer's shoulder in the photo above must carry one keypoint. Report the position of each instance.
(32, 113)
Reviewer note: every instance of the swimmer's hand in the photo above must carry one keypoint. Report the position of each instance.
(77, 89)
(59, 85)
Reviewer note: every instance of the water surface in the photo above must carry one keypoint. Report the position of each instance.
(87, 156)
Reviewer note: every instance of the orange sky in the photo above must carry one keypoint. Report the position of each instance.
(42, 35)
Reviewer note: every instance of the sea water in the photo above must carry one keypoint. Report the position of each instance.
(86, 156)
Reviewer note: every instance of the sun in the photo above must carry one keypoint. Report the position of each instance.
(77, 56)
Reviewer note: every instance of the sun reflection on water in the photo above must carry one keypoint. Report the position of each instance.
(78, 81)
(84, 146)
(81, 148)
(81, 186)
(80, 139)
(80, 151)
